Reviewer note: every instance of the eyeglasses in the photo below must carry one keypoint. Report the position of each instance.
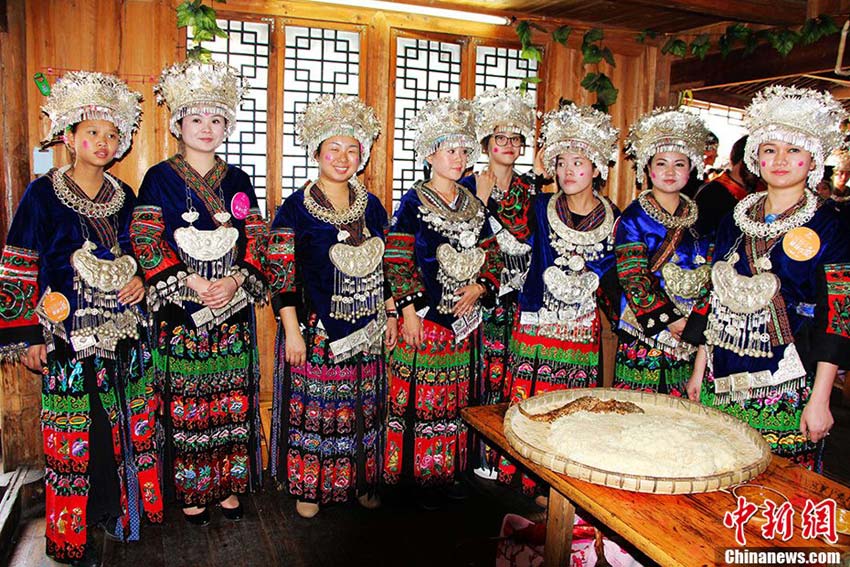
(502, 140)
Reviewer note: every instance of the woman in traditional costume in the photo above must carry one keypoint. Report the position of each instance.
(776, 326)
(661, 259)
(504, 121)
(200, 238)
(442, 259)
(71, 289)
(572, 275)
(327, 282)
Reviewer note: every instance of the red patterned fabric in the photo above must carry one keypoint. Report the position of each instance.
(18, 287)
(146, 230)
(400, 270)
(280, 259)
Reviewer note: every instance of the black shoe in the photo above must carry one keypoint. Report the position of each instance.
(233, 514)
(201, 519)
(457, 491)
(430, 499)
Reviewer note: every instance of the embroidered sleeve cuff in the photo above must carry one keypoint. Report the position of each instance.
(15, 341)
(254, 282)
(284, 299)
(167, 287)
(418, 300)
(657, 319)
(694, 332)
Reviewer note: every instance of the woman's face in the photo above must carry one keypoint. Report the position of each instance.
(669, 171)
(784, 166)
(574, 173)
(505, 147)
(94, 142)
(339, 158)
(449, 163)
(203, 133)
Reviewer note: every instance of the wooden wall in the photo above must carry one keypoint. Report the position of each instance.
(135, 39)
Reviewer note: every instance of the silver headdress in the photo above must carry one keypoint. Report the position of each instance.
(194, 87)
(339, 115)
(504, 109)
(667, 130)
(446, 123)
(85, 95)
(579, 128)
(841, 159)
(804, 118)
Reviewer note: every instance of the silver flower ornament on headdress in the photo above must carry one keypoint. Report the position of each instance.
(194, 87)
(506, 110)
(86, 95)
(805, 118)
(338, 115)
(667, 130)
(445, 123)
(579, 128)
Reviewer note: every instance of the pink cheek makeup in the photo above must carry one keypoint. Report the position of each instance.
(581, 174)
(652, 174)
(328, 157)
(763, 163)
(799, 164)
(495, 150)
(85, 144)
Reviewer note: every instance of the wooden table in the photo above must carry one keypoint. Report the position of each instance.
(684, 530)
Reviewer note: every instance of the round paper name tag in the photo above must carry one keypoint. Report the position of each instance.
(240, 205)
(801, 243)
(56, 306)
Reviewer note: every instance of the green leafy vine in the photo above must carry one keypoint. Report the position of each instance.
(201, 18)
(781, 39)
(593, 53)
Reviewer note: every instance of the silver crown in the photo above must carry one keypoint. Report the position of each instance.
(339, 115)
(445, 123)
(194, 87)
(579, 128)
(86, 95)
(506, 110)
(804, 118)
(667, 130)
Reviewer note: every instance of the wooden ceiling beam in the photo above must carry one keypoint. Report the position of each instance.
(775, 13)
(764, 64)
(725, 98)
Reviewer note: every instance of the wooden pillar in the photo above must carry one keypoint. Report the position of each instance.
(21, 389)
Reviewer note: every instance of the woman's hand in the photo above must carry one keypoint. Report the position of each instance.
(411, 330)
(197, 283)
(677, 327)
(133, 292)
(391, 334)
(296, 349)
(694, 385)
(816, 420)
(220, 292)
(469, 295)
(36, 358)
(484, 183)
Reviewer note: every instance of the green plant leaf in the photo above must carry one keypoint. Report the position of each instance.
(810, 32)
(591, 54)
(589, 81)
(646, 34)
(827, 25)
(608, 56)
(592, 35)
(199, 36)
(531, 53)
(783, 40)
(562, 34)
(185, 14)
(675, 46)
(199, 53)
(700, 46)
(738, 32)
(723, 42)
(752, 42)
(523, 32)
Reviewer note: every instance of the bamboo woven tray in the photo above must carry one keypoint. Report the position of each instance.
(538, 451)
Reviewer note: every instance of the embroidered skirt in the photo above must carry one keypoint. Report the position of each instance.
(90, 408)
(426, 439)
(642, 367)
(326, 423)
(495, 338)
(541, 364)
(777, 417)
(211, 392)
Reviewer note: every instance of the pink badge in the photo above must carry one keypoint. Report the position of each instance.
(240, 205)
